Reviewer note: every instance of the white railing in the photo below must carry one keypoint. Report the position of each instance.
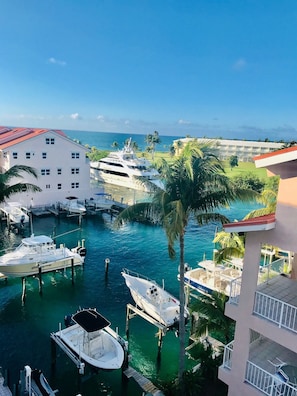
(227, 359)
(266, 382)
(276, 311)
(235, 287)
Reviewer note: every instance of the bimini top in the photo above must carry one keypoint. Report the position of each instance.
(90, 320)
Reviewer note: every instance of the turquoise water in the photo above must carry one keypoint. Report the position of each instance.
(25, 328)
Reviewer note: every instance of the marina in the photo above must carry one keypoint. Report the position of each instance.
(96, 288)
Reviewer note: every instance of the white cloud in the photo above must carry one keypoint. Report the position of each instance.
(127, 122)
(57, 61)
(75, 116)
(100, 118)
(240, 64)
(183, 122)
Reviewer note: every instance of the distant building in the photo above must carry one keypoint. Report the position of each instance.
(244, 150)
(61, 163)
(262, 358)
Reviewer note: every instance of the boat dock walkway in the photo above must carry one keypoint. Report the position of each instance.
(143, 382)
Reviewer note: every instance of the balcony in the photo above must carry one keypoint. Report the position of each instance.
(261, 369)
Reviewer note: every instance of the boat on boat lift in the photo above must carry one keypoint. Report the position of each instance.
(153, 299)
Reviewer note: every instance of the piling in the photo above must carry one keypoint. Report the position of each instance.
(107, 261)
(24, 290)
(40, 279)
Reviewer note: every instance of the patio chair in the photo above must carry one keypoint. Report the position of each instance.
(276, 363)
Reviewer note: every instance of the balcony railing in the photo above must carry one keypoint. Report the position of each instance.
(269, 384)
(276, 311)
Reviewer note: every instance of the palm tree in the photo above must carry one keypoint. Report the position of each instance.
(152, 140)
(211, 310)
(7, 189)
(195, 185)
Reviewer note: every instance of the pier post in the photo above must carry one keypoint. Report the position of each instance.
(40, 279)
(72, 271)
(53, 353)
(127, 321)
(160, 342)
(24, 290)
(107, 261)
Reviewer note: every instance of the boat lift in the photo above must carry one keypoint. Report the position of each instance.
(133, 311)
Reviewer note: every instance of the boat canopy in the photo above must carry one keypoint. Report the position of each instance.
(90, 320)
(37, 240)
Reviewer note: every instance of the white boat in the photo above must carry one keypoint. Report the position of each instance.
(102, 201)
(36, 384)
(71, 205)
(91, 340)
(15, 214)
(153, 299)
(124, 168)
(39, 252)
(210, 276)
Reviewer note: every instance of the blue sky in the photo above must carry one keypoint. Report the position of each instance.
(216, 68)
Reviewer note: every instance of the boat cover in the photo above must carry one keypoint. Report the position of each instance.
(90, 320)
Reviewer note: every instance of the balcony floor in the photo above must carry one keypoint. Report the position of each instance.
(281, 288)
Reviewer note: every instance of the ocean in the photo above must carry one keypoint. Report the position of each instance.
(25, 328)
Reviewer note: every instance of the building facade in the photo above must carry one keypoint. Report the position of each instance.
(62, 166)
(262, 358)
(244, 150)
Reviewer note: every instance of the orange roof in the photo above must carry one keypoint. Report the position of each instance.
(260, 223)
(10, 136)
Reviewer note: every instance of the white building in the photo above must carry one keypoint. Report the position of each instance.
(61, 163)
(245, 150)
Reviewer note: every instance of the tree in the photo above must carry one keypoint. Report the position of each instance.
(211, 310)
(195, 186)
(7, 189)
(233, 161)
(152, 140)
(115, 145)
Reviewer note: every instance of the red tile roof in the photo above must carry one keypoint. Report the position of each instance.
(10, 136)
(260, 223)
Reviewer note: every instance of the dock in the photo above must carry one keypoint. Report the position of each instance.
(145, 384)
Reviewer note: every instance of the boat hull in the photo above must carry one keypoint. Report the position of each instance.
(100, 350)
(154, 300)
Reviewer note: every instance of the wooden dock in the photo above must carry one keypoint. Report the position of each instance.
(145, 384)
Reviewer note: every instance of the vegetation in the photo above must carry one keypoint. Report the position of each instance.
(152, 140)
(195, 187)
(233, 161)
(7, 189)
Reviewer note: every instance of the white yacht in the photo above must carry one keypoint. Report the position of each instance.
(72, 206)
(39, 252)
(124, 168)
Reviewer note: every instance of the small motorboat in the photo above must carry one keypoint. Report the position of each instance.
(15, 213)
(153, 299)
(39, 252)
(72, 206)
(92, 340)
(102, 201)
(36, 384)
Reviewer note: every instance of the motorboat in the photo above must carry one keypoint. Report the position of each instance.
(102, 201)
(15, 214)
(210, 276)
(72, 206)
(124, 168)
(36, 383)
(153, 299)
(91, 339)
(37, 253)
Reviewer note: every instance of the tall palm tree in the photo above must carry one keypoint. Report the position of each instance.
(7, 189)
(195, 186)
(152, 140)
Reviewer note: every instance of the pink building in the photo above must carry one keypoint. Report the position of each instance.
(262, 358)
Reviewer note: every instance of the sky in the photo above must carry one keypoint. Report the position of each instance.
(215, 68)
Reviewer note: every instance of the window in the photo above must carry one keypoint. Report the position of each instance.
(28, 155)
(44, 155)
(15, 155)
(47, 186)
(74, 171)
(45, 172)
(74, 185)
(59, 186)
(74, 155)
(59, 171)
(49, 140)
(5, 154)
